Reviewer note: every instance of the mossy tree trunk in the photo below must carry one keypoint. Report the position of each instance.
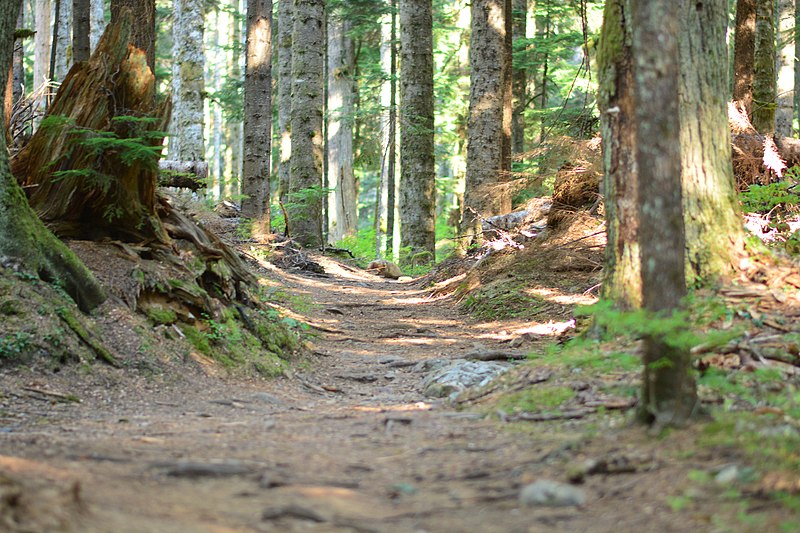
(669, 394)
(764, 90)
(22, 235)
(744, 53)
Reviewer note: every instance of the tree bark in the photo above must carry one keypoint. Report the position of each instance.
(62, 45)
(81, 29)
(305, 180)
(669, 395)
(143, 31)
(784, 114)
(97, 22)
(621, 271)
(22, 235)
(258, 116)
(519, 77)
(385, 205)
(763, 116)
(418, 187)
(343, 199)
(284, 94)
(714, 234)
(744, 50)
(187, 142)
(487, 159)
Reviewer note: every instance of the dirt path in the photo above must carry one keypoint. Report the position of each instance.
(347, 443)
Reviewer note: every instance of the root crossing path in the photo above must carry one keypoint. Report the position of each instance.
(346, 443)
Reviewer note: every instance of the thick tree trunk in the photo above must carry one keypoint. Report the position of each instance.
(669, 396)
(62, 45)
(97, 23)
(520, 77)
(784, 114)
(81, 29)
(305, 180)
(764, 68)
(487, 161)
(714, 234)
(22, 235)
(418, 187)
(186, 142)
(343, 199)
(744, 50)
(143, 31)
(258, 116)
(621, 272)
(285, 26)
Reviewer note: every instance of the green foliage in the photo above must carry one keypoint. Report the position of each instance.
(161, 316)
(14, 345)
(543, 397)
(765, 198)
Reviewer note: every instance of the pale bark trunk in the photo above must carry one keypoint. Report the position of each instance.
(42, 43)
(305, 181)
(18, 66)
(744, 54)
(81, 29)
(520, 80)
(63, 43)
(258, 116)
(714, 236)
(669, 396)
(186, 142)
(418, 188)
(384, 209)
(487, 161)
(214, 81)
(621, 271)
(97, 23)
(784, 113)
(764, 68)
(285, 10)
(235, 127)
(342, 201)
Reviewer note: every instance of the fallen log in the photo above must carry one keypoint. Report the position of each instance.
(191, 175)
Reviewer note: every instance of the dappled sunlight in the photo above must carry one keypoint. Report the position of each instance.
(429, 322)
(418, 406)
(555, 295)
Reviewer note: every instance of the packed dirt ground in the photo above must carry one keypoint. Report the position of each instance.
(346, 440)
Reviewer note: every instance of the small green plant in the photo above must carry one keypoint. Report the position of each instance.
(14, 345)
(764, 198)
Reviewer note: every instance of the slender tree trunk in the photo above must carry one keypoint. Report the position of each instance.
(81, 29)
(18, 66)
(235, 126)
(97, 23)
(714, 234)
(258, 116)
(42, 44)
(744, 54)
(621, 271)
(285, 24)
(384, 210)
(520, 77)
(343, 199)
(764, 68)
(62, 40)
(784, 114)
(392, 183)
(305, 180)
(795, 32)
(669, 396)
(418, 190)
(186, 142)
(487, 136)
(143, 32)
(543, 29)
(214, 80)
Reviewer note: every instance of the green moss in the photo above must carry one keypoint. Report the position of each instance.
(197, 338)
(161, 316)
(10, 307)
(75, 325)
(536, 398)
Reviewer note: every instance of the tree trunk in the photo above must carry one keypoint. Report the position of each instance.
(343, 199)
(668, 396)
(62, 45)
(143, 31)
(520, 77)
(305, 180)
(41, 52)
(487, 161)
(258, 116)
(97, 22)
(285, 25)
(764, 68)
(384, 208)
(186, 142)
(714, 235)
(81, 29)
(235, 127)
(621, 271)
(418, 188)
(744, 50)
(22, 235)
(784, 114)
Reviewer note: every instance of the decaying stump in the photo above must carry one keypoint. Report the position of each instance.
(91, 173)
(577, 184)
(191, 175)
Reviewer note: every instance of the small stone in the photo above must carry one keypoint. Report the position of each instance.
(547, 493)
(727, 475)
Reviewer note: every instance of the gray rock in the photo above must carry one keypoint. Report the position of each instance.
(459, 375)
(547, 493)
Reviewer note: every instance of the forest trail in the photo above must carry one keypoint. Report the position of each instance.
(346, 443)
